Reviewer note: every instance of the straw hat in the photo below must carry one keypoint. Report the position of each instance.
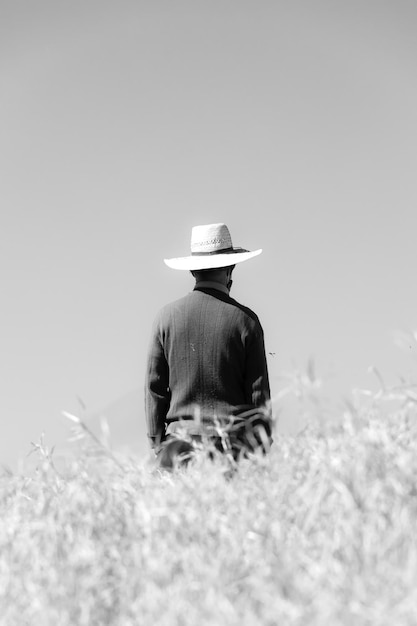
(211, 247)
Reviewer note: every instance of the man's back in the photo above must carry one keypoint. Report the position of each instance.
(206, 363)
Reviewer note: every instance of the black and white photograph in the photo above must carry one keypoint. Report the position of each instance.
(208, 338)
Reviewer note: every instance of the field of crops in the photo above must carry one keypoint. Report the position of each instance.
(322, 531)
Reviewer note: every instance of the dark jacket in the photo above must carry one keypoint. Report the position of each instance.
(206, 362)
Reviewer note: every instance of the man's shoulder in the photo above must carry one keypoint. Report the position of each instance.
(245, 310)
(195, 299)
(174, 305)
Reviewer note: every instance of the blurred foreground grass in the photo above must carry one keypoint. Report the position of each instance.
(321, 531)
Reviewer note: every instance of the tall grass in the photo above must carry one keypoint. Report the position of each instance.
(321, 531)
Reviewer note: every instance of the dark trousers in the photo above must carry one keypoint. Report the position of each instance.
(244, 437)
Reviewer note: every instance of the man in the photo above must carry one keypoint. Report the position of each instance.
(207, 376)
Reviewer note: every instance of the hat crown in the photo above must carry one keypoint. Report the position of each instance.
(210, 238)
(211, 248)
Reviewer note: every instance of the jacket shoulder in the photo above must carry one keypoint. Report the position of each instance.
(246, 310)
(169, 308)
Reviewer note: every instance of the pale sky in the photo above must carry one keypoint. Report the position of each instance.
(124, 123)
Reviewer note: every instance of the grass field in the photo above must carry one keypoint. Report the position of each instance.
(320, 532)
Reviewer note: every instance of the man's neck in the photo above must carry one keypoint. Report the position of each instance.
(211, 284)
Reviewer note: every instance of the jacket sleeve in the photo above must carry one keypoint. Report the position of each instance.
(157, 393)
(257, 389)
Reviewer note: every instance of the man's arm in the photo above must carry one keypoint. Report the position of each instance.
(257, 389)
(258, 394)
(157, 393)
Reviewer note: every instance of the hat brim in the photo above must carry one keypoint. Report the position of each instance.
(210, 261)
